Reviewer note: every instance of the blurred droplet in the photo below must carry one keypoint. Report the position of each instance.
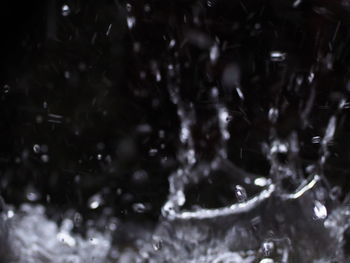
(240, 193)
(44, 158)
(36, 148)
(6, 88)
(273, 115)
(157, 243)
(316, 139)
(130, 22)
(95, 201)
(214, 53)
(139, 207)
(32, 194)
(261, 181)
(320, 210)
(277, 56)
(65, 10)
(267, 247)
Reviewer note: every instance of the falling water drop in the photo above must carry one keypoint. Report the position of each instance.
(157, 243)
(36, 148)
(240, 193)
(320, 210)
(65, 10)
(273, 115)
(131, 22)
(95, 201)
(214, 53)
(277, 56)
(267, 247)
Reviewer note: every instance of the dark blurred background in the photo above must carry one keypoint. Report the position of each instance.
(83, 113)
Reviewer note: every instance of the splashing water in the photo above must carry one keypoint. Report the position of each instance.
(289, 214)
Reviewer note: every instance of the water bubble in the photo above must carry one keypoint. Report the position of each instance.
(277, 56)
(65, 10)
(267, 260)
(240, 193)
(36, 148)
(320, 210)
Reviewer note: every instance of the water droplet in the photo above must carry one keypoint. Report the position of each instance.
(32, 195)
(10, 214)
(65, 10)
(316, 139)
(157, 243)
(240, 93)
(261, 181)
(320, 210)
(131, 22)
(277, 56)
(296, 3)
(273, 115)
(95, 201)
(153, 152)
(172, 43)
(240, 193)
(109, 30)
(147, 8)
(36, 148)
(139, 207)
(128, 7)
(44, 158)
(214, 53)
(6, 88)
(311, 77)
(267, 247)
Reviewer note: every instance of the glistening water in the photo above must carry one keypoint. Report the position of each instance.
(190, 131)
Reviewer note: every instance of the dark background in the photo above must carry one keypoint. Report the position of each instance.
(109, 138)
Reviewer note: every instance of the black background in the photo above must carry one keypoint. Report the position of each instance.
(105, 103)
